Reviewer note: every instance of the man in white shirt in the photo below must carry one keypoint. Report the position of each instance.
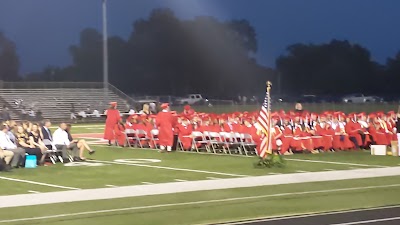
(62, 142)
(7, 145)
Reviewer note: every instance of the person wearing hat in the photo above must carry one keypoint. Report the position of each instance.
(165, 122)
(112, 121)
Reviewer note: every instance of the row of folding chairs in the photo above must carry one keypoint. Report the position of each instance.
(140, 138)
(215, 142)
(223, 142)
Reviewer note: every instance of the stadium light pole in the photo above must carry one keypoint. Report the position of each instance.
(105, 53)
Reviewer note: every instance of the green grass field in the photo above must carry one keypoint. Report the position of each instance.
(114, 167)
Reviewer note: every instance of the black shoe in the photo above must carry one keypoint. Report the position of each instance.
(92, 152)
(7, 168)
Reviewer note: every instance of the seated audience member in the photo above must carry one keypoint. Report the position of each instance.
(46, 133)
(82, 114)
(82, 145)
(24, 142)
(35, 137)
(27, 126)
(6, 144)
(62, 142)
(7, 156)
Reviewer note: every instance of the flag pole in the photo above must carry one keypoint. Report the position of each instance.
(269, 86)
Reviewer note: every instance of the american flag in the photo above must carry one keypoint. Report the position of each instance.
(264, 122)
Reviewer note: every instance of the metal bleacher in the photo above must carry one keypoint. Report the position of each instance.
(54, 100)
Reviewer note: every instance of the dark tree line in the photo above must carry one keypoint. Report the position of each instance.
(338, 67)
(168, 56)
(165, 55)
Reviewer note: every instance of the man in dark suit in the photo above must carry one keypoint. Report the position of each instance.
(47, 132)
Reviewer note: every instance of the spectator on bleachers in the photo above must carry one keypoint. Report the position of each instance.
(72, 111)
(82, 114)
(24, 113)
(96, 113)
(81, 144)
(24, 142)
(62, 142)
(6, 144)
(39, 115)
(5, 114)
(32, 114)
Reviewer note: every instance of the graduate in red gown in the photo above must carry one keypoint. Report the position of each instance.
(165, 122)
(114, 127)
(184, 132)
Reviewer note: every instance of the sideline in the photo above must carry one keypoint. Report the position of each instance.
(199, 203)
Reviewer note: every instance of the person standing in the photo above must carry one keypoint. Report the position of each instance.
(398, 130)
(112, 121)
(165, 122)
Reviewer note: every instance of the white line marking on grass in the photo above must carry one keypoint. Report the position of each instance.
(368, 221)
(179, 180)
(38, 183)
(147, 183)
(213, 178)
(197, 203)
(274, 173)
(307, 215)
(354, 168)
(172, 168)
(329, 169)
(34, 192)
(302, 171)
(110, 185)
(337, 163)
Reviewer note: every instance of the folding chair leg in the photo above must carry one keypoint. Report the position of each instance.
(61, 159)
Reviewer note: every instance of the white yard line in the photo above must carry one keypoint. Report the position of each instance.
(274, 173)
(197, 203)
(110, 185)
(337, 163)
(302, 171)
(147, 183)
(213, 178)
(171, 168)
(179, 180)
(192, 186)
(368, 221)
(34, 192)
(329, 169)
(38, 183)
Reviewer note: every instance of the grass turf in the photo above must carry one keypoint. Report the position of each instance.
(261, 205)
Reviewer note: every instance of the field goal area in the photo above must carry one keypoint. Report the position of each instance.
(141, 186)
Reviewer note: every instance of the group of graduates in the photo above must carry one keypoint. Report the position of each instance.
(294, 131)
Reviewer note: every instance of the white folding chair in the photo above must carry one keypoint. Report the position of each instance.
(198, 138)
(141, 135)
(216, 141)
(130, 135)
(248, 143)
(229, 140)
(52, 152)
(154, 137)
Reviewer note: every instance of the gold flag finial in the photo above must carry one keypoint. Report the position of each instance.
(269, 85)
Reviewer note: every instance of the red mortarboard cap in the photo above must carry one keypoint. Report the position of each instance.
(186, 107)
(164, 105)
(372, 116)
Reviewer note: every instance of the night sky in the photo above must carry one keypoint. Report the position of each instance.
(44, 29)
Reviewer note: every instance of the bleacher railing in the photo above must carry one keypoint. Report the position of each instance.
(48, 85)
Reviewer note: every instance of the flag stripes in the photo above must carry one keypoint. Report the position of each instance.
(264, 120)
